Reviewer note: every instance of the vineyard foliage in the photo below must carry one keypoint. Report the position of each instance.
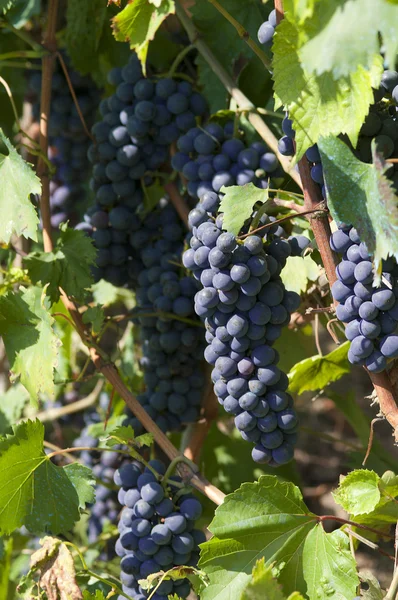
(198, 299)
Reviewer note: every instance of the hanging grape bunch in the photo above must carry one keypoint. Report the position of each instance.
(213, 156)
(157, 532)
(370, 313)
(244, 306)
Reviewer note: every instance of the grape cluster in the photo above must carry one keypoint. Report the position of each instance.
(139, 122)
(381, 125)
(244, 305)
(68, 141)
(172, 337)
(103, 465)
(266, 31)
(211, 157)
(371, 314)
(156, 533)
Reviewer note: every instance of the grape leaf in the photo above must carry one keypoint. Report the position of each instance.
(107, 294)
(95, 316)
(329, 565)
(373, 590)
(316, 372)
(337, 41)
(84, 24)
(54, 564)
(265, 519)
(298, 271)
(18, 181)
(68, 266)
(264, 586)
(6, 547)
(269, 520)
(124, 434)
(319, 105)
(138, 23)
(26, 327)
(33, 491)
(237, 204)
(152, 196)
(361, 195)
(97, 595)
(12, 404)
(358, 492)
(379, 510)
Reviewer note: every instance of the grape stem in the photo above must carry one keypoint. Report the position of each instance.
(243, 34)
(302, 213)
(178, 59)
(174, 464)
(242, 101)
(323, 518)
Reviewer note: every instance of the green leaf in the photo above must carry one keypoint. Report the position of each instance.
(33, 491)
(26, 327)
(138, 23)
(152, 196)
(263, 585)
(83, 481)
(380, 509)
(298, 271)
(98, 430)
(337, 42)
(107, 294)
(237, 204)
(18, 181)
(97, 595)
(317, 372)
(84, 24)
(266, 519)
(125, 435)
(12, 404)
(68, 266)
(329, 565)
(372, 206)
(319, 105)
(358, 493)
(95, 316)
